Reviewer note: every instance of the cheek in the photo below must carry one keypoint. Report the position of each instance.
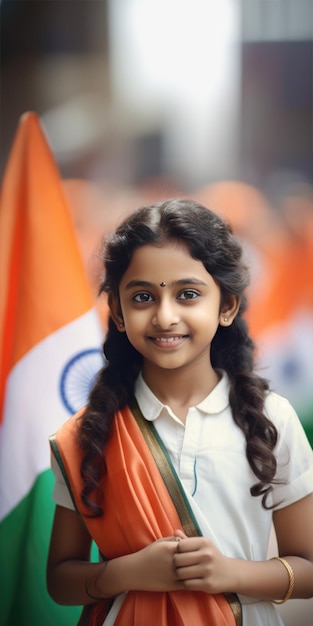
(134, 322)
(206, 317)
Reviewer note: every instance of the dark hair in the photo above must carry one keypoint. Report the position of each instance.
(210, 240)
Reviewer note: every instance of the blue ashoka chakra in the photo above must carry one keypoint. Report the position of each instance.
(78, 378)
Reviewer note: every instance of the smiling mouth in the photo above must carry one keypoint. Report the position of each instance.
(168, 341)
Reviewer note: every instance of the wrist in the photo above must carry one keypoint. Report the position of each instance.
(93, 586)
(291, 582)
(264, 579)
(234, 575)
(117, 576)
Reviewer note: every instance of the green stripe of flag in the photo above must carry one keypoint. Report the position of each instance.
(24, 544)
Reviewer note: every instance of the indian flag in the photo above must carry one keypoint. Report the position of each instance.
(50, 352)
(285, 358)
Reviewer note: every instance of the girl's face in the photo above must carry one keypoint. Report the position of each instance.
(170, 307)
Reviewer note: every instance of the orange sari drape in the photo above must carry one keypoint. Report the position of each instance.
(138, 511)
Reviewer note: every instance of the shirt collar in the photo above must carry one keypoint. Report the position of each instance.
(151, 406)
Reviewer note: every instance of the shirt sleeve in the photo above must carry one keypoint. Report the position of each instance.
(60, 494)
(293, 453)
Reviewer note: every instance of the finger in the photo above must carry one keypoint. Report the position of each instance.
(193, 584)
(185, 559)
(189, 545)
(188, 573)
(180, 534)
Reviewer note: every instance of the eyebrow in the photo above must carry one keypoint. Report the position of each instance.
(182, 282)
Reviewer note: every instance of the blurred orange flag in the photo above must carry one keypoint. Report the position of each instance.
(50, 351)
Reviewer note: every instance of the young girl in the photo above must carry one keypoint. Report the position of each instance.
(182, 458)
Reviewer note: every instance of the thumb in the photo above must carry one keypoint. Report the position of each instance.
(180, 534)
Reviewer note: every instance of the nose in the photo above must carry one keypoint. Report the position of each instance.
(166, 314)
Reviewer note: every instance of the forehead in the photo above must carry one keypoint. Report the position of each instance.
(166, 263)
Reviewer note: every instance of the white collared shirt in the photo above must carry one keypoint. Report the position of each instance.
(208, 454)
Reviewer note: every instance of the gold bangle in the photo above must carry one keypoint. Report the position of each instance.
(291, 580)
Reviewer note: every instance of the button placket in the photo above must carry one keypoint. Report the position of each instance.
(188, 458)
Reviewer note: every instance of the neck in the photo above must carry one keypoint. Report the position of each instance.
(178, 389)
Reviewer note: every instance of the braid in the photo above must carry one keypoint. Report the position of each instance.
(112, 391)
(234, 352)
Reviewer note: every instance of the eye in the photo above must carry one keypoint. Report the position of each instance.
(143, 296)
(188, 294)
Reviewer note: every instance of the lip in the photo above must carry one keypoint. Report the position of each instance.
(168, 342)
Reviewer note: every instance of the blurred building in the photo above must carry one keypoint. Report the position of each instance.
(197, 91)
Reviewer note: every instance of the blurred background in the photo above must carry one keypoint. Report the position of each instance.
(144, 100)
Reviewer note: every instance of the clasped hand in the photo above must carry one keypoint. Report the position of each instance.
(181, 562)
(200, 566)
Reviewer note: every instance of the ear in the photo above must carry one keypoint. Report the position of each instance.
(229, 311)
(116, 313)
